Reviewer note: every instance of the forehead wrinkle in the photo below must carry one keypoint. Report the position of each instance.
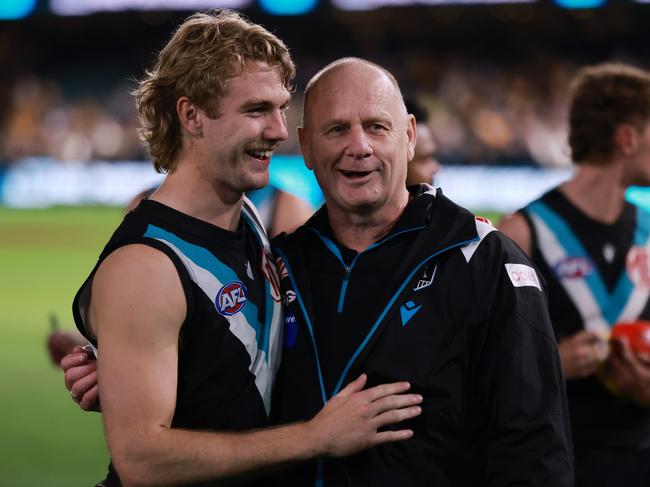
(371, 93)
(343, 66)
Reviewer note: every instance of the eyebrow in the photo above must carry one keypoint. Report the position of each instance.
(263, 103)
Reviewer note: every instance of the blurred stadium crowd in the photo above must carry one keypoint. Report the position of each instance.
(495, 85)
(479, 115)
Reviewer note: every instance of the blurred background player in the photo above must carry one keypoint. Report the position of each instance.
(424, 166)
(592, 248)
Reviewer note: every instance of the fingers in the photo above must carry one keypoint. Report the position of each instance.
(397, 416)
(392, 436)
(79, 356)
(355, 386)
(75, 374)
(87, 379)
(398, 401)
(384, 390)
(90, 400)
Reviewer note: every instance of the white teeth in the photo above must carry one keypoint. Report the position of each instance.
(262, 154)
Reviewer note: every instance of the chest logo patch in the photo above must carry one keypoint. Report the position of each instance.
(427, 279)
(408, 310)
(637, 263)
(522, 275)
(231, 298)
(573, 268)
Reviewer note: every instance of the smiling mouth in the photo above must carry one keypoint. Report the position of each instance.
(262, 155)
(355, 174)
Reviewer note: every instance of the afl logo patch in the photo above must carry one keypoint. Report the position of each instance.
(573, 267)
(231, 298)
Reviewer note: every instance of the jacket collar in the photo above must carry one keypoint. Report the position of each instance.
(428, 209)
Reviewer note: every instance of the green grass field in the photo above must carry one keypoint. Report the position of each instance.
(45, 440)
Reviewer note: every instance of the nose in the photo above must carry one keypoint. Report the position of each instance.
(276, 128)
(359, 146)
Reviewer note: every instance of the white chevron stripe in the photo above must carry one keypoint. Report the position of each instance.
(577, 289)
(239, 326)
(482, 228)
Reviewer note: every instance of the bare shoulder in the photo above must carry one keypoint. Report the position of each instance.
(290, 213)
(137, 283)
(516, 227)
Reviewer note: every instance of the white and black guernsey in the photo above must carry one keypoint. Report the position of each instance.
(229, 345)
(598, 275)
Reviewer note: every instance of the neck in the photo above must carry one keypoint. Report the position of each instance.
(598, 191)
(359, 230)
(189, 191)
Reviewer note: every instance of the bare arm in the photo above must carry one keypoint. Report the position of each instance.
(515, 227)
(137, 310)
(289, 213)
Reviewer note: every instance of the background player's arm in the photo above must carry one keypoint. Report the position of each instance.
(289, 213)
(137, 310)
(577, 352)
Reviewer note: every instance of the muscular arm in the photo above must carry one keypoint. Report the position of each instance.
(136, 312)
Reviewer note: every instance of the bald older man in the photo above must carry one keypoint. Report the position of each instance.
(405, 285)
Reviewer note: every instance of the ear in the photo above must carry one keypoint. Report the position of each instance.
(304, 146)
(189, 116)
(411, 133)
(626, 139)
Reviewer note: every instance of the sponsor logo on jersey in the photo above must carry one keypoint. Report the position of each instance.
(271, 274)
(290, 330)
(637, 264)
(573, 267)
(231, 298)
(408, 311)
(522, 275)
(289, 297)
(483, 219)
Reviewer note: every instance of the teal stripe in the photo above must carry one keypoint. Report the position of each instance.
(348, 270)
(222, 272)
(572, 247)
(611, 305)
(387, 308)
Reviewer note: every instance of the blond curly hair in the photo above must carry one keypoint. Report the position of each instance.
(205, 52)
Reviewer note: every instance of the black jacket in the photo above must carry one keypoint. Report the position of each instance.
(433, 302)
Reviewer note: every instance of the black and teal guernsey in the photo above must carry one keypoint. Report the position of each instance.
(230, 343)
(597, 275)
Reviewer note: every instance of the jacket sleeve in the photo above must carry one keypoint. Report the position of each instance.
(521, 386)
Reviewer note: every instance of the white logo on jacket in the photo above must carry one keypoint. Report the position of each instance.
(522, 275)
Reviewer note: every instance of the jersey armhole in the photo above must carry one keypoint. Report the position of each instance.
(81, 302)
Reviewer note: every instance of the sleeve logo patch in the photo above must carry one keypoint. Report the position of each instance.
(522, 275)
